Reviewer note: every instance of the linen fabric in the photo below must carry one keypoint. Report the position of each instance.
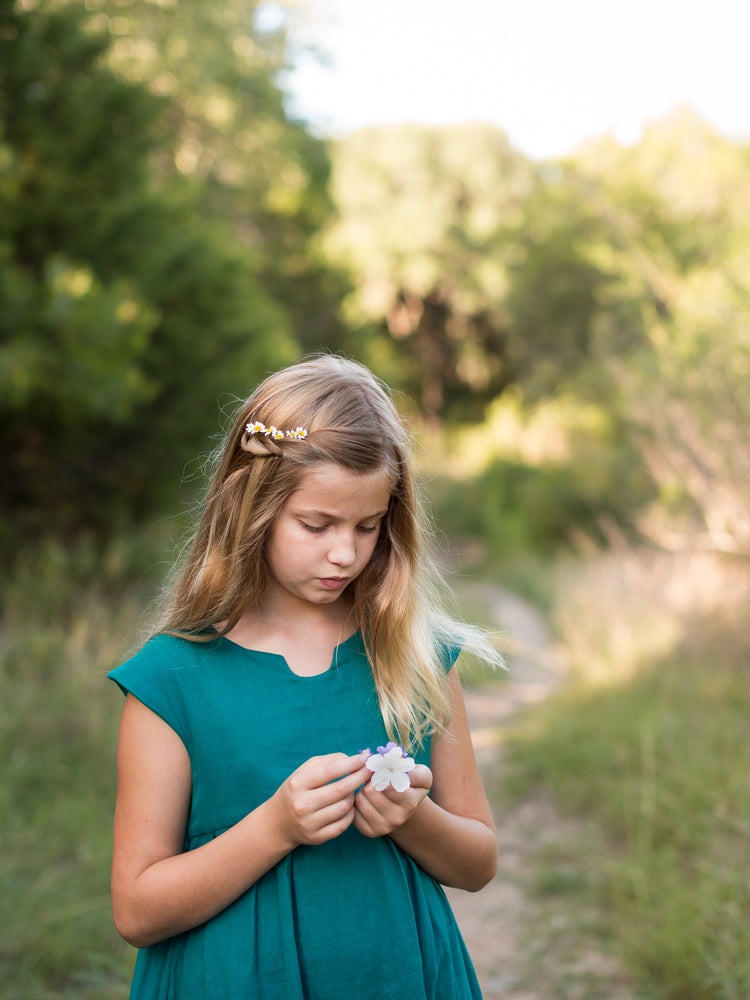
(352, 918)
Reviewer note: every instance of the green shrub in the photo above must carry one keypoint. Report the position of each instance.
(518, 508)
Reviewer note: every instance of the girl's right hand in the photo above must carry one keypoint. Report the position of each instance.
(316, 802)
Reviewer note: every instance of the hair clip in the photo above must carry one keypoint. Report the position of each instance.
(298, 434)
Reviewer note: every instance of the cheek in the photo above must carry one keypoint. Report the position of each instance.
(376, 548)
(367, 550)
(281, 544)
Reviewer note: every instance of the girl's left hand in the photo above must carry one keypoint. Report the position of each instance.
(379, 813)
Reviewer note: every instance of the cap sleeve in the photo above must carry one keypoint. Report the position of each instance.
(448, 652)
(153, 676)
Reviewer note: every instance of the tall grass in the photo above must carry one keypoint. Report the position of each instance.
(66, 619)
(648, 743)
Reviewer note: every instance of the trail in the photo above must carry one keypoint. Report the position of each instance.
(524, 946)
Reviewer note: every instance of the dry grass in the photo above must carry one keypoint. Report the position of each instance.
(647, 742)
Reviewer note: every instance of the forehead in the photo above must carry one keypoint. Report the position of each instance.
(326, 486)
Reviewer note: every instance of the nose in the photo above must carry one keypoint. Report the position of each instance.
(343, 549)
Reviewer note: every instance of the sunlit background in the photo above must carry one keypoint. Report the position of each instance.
(551, 75)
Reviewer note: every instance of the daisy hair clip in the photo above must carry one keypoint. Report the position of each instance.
(389, 766)
(298, 434)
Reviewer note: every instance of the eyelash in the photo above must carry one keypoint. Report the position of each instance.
(315, 530)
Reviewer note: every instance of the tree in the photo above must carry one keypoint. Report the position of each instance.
(123, 314)
(678, 203)
(233, 142)
(426, 227)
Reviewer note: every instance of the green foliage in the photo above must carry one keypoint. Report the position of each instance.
(567, 317)
(129, 303)
(618, 276)
(679, 254)
(232, 141)
(425, 227)
(515, 507)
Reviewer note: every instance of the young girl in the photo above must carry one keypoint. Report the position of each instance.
(258, 852)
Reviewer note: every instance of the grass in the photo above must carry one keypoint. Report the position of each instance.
(647, 744)
(66, 619)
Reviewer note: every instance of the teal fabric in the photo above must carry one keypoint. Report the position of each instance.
(353, 919)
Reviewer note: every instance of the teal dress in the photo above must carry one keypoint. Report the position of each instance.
(355, 917)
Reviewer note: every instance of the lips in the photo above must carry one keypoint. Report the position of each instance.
(333, 582)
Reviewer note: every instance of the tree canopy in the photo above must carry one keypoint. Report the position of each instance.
(426, 224)
(618, 275)
(140, 283)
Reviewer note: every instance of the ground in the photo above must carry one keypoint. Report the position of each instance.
(527, 944)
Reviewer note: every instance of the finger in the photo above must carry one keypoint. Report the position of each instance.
(354, 780)
(329, 822)
(390, 795)
(336, 828)
(335, 791)
(420, 777)
(365, 827)
(351, 771)
(337, 816)
(315, 800)
(319, 771)
(378, 811)
(331, 767)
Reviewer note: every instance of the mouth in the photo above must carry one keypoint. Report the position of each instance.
(333, 582)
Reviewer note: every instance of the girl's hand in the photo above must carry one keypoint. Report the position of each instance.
(316, 802)
(380, 813)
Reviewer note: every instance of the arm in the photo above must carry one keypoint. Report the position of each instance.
(157, 889)
(451, 834)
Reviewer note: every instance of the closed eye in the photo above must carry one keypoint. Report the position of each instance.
(314, 528)
(318, 529)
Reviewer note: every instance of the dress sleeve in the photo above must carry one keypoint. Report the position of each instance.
(154, 677)
(449, 652)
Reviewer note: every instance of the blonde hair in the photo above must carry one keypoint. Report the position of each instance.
(351, 421)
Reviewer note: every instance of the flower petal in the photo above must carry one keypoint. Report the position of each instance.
(400, 781)
(375, 763)
(381, 780)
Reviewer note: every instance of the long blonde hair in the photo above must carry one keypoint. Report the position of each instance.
(351, 421)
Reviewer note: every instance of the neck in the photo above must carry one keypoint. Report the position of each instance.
(301, 616)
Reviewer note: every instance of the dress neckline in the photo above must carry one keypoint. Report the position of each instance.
(341, 648)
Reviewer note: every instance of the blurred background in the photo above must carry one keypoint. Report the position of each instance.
(534, 226)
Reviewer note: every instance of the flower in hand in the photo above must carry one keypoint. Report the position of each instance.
(389, 766)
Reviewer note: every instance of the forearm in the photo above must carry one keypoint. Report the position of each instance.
(183, 891)
(458, 851)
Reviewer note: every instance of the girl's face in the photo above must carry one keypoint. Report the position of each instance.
(325, 534)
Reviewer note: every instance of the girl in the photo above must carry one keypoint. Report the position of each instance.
(257, 853)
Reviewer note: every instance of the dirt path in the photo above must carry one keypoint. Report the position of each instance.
(526, 946)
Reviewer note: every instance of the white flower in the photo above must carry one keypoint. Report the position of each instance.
(389, 766)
